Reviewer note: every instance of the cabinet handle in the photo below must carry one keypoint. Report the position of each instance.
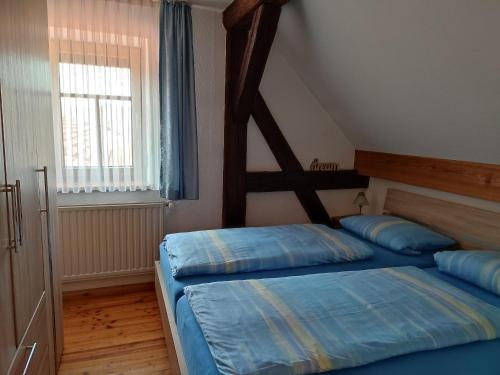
(46, 185)
(13, 203)
(19, 204)
(9, 189)
(32, 349)
(47, 212)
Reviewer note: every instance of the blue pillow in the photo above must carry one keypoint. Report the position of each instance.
(479, 267)
(396, 234)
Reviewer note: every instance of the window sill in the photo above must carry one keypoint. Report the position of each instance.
(99, 198)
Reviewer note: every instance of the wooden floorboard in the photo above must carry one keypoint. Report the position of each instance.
(113, 331)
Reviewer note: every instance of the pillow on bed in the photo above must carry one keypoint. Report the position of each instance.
(479, 267)
(396, 234)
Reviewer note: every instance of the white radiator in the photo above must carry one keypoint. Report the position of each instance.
(109, 245)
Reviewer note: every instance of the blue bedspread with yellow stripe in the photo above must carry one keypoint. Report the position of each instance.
(316, 323)
(224, 251)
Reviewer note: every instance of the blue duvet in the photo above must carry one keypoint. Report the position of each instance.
(226, 251)
(317, 323)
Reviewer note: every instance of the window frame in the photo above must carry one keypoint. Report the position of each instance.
(132, 52)
(135, 65)
(97, 98)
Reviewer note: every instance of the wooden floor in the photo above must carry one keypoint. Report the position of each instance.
(113, 331)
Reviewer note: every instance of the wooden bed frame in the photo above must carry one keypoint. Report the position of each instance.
(175, 355)
(471, 227)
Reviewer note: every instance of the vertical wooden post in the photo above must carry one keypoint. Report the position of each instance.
(247, 50)
(235, 136)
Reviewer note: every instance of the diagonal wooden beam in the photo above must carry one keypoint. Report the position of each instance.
(287, 160)
(246, 57)
(260, 39)
(240, 12)
(313, 206)
(274, 137)
(260, 182)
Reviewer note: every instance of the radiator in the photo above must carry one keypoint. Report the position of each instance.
(109, 242)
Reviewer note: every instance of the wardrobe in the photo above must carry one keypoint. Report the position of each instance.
(30, 298)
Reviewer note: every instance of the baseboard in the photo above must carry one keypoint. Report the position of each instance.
(103, 281)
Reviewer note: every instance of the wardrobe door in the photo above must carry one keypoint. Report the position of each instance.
(47, 188)
(21, 95)
(44, 136)
(7, 321)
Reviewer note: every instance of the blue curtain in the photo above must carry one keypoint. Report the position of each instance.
(179, 145)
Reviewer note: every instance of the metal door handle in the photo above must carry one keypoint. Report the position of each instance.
(13, 203)
(10, 189)
(19, 205)
(46, 185)
(32, 349)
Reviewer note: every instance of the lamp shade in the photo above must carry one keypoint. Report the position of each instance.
(361, 200)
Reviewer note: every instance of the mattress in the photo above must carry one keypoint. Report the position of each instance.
(382, 258)
(479, 358)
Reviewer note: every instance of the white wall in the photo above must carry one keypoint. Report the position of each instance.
(307, 127)
(311, 133)
(209, 51)
(378, 189)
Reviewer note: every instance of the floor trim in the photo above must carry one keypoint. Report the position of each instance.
(69, 285)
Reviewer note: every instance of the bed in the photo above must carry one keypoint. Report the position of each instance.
(382, 258)
(475, 358)
(472, 227)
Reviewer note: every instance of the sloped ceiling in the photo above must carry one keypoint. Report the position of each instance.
(417, 77)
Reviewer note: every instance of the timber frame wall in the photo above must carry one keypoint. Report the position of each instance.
(251, 27)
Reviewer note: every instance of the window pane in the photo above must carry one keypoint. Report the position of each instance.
(94, 80)
(79, 131)
(116, 131)
(92, 141)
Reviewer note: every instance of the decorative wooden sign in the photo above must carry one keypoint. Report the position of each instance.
(316, 165)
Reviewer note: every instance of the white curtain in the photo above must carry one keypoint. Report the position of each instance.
(104, 56)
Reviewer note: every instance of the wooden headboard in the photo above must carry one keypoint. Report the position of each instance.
(473, 228)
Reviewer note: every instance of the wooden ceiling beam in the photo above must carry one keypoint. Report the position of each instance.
(240, 12)
(260, 182)
(260, 39)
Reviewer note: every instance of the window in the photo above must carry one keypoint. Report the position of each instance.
(106, 116)
(105, 94)
(96, 109)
